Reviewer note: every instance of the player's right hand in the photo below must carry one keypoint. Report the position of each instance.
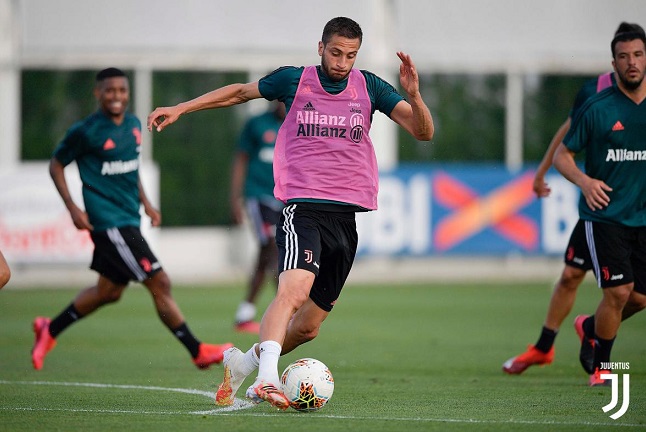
(541, 189)
(162, 117)
(81, 219)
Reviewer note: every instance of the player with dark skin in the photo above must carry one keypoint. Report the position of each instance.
(112, 137)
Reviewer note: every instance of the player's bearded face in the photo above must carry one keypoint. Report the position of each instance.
(630, 63)
(113, 95)
(338, 56)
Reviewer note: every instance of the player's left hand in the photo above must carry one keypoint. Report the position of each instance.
(408, 77)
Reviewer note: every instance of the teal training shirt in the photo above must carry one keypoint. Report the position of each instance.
(107, 156)
(257, 140)
(588, 89)
(611, 129)
(282, 83)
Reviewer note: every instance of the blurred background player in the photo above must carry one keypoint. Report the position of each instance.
(577, 256)
(106, 146)
(252, 184)
(610, 130)
(5, 272)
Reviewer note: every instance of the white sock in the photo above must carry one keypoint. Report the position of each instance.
(250, 361)
(268, 366)
(246, 312)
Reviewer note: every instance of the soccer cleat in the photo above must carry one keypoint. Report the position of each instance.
(210, 354)
(264, 391)
(586, 352)
(233, 377)
(533, 356)
(43, 343)
(252, 327)
(595, 378)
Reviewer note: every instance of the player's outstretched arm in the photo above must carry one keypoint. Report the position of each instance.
(413, 115)
(232, 94)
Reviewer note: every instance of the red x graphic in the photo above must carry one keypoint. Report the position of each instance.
(473, 213)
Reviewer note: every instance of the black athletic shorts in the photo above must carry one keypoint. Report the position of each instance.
(264, 216)
(618, 254)
(122, 254)
(315, 237)
(577, 253)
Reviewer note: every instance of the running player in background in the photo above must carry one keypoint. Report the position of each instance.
(106, 146)
(252, 185)
(577, 256)
(611, 130)
(325, 170)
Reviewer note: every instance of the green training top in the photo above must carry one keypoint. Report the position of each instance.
(107, 156)
(611, 129)
(257, 140)
(282, 83)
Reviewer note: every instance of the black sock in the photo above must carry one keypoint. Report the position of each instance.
(602, 348)
(588, 327)
(187, 339)
(66, 318)
(546, 340)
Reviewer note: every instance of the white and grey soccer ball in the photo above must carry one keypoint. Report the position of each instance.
(308, 384)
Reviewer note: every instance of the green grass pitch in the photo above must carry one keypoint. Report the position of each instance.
(407, 357)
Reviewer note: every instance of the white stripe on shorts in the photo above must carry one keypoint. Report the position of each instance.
(589, 238)
(291, 239)
(125, 253)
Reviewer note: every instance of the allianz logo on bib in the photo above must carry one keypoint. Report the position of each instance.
(621, 155)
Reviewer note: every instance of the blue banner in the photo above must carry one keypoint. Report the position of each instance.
(467, 210)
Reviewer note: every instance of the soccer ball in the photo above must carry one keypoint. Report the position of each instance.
(308, 384)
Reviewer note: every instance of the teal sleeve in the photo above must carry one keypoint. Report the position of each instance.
(71, 146)
(383, 95)
(281, 84)
(576, 138)
(588, 89)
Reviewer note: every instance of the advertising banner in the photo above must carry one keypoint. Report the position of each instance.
(467, 210)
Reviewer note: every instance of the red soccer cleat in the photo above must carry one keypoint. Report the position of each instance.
(264, 391)
(517, 365)
(596, 380)
(43, 343)
(210, 354)
(252, 327)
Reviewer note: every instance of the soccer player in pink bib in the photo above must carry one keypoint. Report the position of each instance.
(325, 170)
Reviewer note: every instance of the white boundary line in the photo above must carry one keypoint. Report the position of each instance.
(240, 405)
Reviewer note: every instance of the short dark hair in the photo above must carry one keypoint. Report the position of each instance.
(109, 73)
(627, 32)
(342, 26)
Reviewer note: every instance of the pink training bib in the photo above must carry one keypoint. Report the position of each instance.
(323, 150)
